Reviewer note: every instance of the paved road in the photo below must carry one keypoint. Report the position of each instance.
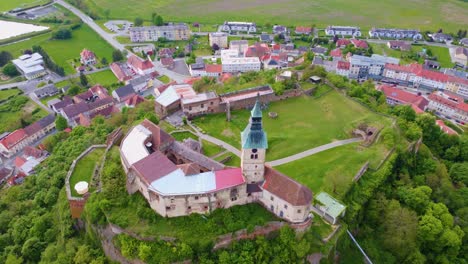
(218, 142)
(313, 151)
(179, 78)
(90, 22)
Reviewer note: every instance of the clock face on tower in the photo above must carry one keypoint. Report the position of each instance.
(254, 150)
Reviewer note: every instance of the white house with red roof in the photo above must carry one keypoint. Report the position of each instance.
(140, 66)
(449, 105)
(87, 57)
(342, 68)
(177, 180)
(300, 30)
(397, 96)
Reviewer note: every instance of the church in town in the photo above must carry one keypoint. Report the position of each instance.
(177, 179)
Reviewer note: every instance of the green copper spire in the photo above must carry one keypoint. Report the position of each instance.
(253, 136)
(256, 110)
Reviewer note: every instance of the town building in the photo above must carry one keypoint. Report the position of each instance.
(300, 30)
(87, 57)
(154, 33)
(397, 96)
(360, 44)
(177, 180)
(200, 104)
(134, 101)
(331, 210)
(280, 30)
(247, 27)
(441, 37)
(31, 66)
(239, 45)
(232, 62)
(123, 93)
(464, 42)
(342, 68)
(449, 105)
(20, 138)
(219, 38)
(46, 91)
(343, 31)
(363, 67)
(342, 43)
(140, 83)
(169, 100)
(395, 33)
(461, 55)
(121, 71)
(140, 66)
(399, 45)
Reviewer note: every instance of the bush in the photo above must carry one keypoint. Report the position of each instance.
(62, 33)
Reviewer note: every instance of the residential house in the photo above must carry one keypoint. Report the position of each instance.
(360, 44)
(121, 71)
(167, 62)
(342, 68)
(399, 45)
(168, 101)
(154, 33)
(93, 93)
(343, 31)
(342, 43)
(46, 91)
(134, 101)
(441, 37)
(247, 27)
(140, 66)
(66, 101)
(395, 33)
(166, 52)
(396, 96)
(336, 53)
(87, 57)
(300, 30)
(319, 50)
(464, 42)
(449, 105)
(219, 38)
(139, 83)
(266, 38)
(5, 174)
(431, 65)
(31, 66)
(123, 93)
(280, 30)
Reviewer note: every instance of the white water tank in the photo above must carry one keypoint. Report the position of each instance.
(81, 187)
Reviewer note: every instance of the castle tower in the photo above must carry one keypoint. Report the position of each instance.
(254, 146)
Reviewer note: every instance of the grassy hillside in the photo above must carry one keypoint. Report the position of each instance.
(430, 14)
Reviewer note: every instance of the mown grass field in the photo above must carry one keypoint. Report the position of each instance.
(4, 94)
(6, 5)
(442, 53)
(333, 170)
(302, 123)
(63, 51)
(430, 14)
(84, 169)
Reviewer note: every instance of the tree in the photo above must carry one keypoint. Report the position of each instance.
(158, 20)
(104, 61)
(61, 123)
(74, 90)
(416, 198)
(138, 22)
(62, 33)
(10, 70)
(32, 249)
(5, 57)
(459, 172)
(215, 47)
(83, 79)
(117, 55)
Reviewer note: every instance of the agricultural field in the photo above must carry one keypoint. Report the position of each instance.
(310, 123)
(430, 15)
(64, 51)
(84, 169)
(333, 170)
(5, 94)
(7, 5)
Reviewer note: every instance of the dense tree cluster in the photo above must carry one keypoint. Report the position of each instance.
(62, 33)
(5, 57)
(10, 70)
(49, 63)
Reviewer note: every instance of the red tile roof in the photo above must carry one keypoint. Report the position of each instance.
(336, 53)
(286, 188)
(214, 68)
(411, 68)
(343, 65)
(192, 80)
(359, 43)
(159, 137)
(343, 42)
(433, 75)
(87, 54)
(32, 152)
(134, 100)
(458, 80)
(455, 102)
(405, 97)
(169, 61)
(19, 161)
(99, 90)
(257, 50)
(445, 128)
(228, 178)
(154, 167)
(139, 63)
(13, 138)
(119, 72)
(303, 30)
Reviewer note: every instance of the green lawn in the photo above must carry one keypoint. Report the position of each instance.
(84, 169)
(11, 120)
(4, 94)
(64, 51)
(6, 5)
(333, 170)
(430, 14)
(442, 53)
(309, 123)
(210, 149)
(123, 40)
(104, 78)
(44, 100)
(164, 79)
(180, 136)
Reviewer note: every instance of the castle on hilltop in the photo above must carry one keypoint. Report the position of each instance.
(177, 180)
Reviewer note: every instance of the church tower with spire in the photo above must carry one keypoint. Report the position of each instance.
(254, 146)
